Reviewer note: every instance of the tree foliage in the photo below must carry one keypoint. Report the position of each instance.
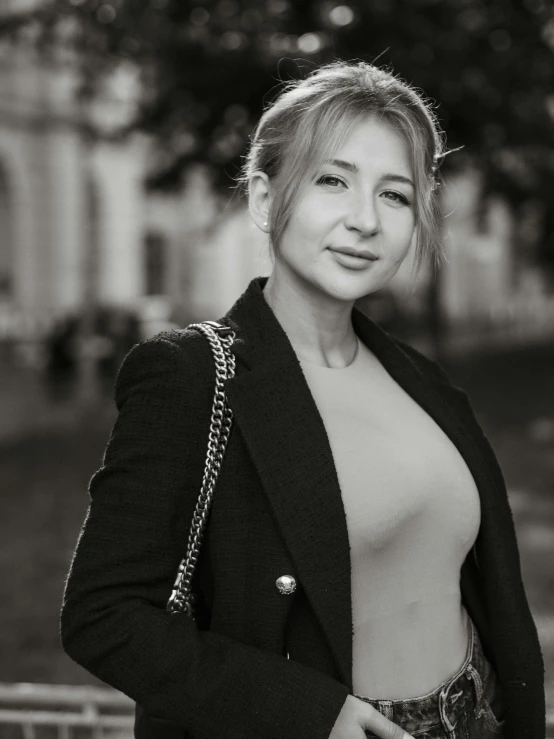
(209, 66)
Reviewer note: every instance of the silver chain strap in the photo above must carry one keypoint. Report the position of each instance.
(182, 599)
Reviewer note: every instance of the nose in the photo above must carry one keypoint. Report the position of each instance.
(363, 217)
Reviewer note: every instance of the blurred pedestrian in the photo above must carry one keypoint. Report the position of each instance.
(360, 574)
(120, 329)
(61, 347)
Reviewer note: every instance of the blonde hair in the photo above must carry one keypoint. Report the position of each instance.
(311, 118)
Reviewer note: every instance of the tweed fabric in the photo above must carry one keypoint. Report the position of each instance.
(277, 510)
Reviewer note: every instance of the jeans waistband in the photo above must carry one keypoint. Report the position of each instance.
(444, 705)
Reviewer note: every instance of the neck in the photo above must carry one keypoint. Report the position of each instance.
(318, 325)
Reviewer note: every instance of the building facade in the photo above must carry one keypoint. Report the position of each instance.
(78, 229)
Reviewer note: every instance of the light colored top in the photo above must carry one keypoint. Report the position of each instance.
(413, 513)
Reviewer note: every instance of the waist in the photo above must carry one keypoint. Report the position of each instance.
(409, 651)
(470, 697)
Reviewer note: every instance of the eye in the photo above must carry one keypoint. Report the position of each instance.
(397, 197)
(331, 181)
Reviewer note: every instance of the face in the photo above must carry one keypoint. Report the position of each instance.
(362, 201)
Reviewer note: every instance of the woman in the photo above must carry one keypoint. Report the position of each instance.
(355, 473)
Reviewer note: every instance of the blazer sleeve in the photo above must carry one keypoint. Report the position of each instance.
(113, 619)
(423, 362)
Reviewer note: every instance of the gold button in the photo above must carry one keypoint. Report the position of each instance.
(286, 584)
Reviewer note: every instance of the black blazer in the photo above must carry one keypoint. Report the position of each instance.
(277, 510)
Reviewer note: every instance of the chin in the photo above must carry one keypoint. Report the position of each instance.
(348, 289)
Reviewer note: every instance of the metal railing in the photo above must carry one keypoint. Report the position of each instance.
(30, 710)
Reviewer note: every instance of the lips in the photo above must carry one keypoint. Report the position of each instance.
(361, 254)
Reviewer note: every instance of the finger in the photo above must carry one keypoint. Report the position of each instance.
(380, 725)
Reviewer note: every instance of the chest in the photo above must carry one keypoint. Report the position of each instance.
(399, 473)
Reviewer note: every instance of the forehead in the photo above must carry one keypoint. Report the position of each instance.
(374, 143)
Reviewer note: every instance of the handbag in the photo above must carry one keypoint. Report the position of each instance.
(220, 338)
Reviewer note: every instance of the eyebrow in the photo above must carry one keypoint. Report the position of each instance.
(350, 167)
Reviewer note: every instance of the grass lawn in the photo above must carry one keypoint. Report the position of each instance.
(44, 477)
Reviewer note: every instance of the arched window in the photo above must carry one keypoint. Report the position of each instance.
(155, 263)
(6, 239)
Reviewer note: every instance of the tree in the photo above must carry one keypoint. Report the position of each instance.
(208, 66)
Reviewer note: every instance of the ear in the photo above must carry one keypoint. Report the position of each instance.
(259, 200)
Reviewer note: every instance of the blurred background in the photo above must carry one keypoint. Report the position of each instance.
(122, 127)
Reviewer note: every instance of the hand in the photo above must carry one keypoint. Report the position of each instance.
(356, 716)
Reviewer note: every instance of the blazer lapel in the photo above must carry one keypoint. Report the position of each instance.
(286, 437)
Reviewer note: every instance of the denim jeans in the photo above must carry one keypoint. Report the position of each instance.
(466, 706)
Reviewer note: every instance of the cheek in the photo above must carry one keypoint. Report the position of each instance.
(402, 256)
(296, 238)
(308, 223)
(405, 233)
